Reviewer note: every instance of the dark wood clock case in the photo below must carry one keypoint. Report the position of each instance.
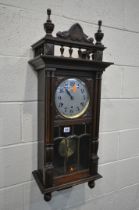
(57, 172)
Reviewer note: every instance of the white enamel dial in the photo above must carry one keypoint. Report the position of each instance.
(72, 98)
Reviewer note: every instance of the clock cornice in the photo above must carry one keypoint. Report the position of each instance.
(43, 61)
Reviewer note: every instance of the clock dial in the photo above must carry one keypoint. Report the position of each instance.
(72, 98)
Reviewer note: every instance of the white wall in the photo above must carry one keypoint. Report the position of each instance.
(20, 26)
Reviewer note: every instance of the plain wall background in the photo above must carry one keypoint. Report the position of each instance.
(21, 24)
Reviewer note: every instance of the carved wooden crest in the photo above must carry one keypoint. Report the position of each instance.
(75, 33)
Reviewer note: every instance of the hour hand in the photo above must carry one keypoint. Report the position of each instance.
(69, 94)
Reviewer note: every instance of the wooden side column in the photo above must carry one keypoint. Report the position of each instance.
(95, 133)
(48, 141)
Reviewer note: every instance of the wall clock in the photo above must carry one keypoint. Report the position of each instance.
(69, 91)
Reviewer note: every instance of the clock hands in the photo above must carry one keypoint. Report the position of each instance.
(73, 88)
(67, 91)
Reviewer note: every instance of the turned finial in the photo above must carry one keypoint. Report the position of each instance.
(99, 25)
(99, 35)
(48, 26)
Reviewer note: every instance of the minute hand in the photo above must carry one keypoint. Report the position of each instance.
(69, 94)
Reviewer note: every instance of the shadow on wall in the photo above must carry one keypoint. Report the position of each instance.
(29, 108)
(60, 200)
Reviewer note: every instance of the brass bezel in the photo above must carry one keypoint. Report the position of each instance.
(84, 109)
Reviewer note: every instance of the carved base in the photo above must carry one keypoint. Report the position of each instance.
(48, 191)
